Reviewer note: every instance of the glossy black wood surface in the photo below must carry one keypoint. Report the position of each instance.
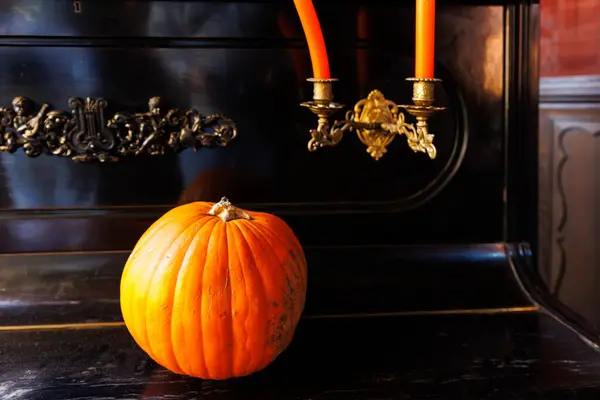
(248, 59)
(527, 356)
(466, 354)
(364, 280)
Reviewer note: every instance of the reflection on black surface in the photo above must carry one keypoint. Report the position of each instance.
(54, 75)
(248, 60)
(214, 183)
(510, 356)
(342, 280)
(259, 87)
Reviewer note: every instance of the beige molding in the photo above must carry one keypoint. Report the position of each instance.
(568, 89)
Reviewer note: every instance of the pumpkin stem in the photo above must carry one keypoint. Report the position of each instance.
(227, 211)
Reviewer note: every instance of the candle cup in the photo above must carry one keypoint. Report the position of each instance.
(322, 90)
(423, 90)
(322, 104)
(422, 109)
(423, 98)
(323, 107)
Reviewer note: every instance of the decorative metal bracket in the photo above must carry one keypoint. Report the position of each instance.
(375, 119)
(85, 135)
(77, 6)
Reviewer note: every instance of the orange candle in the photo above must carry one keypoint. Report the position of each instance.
(314, 37)
(424, 38)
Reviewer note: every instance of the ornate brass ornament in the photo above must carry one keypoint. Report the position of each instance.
(85, 135)
(376, 120)
(77, 6)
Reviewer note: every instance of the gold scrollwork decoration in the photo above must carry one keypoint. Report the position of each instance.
(375, 119)
(85, 135)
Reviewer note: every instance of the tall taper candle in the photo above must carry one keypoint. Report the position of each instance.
(424, 38)
(314, 37)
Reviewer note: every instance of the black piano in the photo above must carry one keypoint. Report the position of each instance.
(423, 273)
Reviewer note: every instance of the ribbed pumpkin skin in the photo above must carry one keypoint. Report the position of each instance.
(214, 299)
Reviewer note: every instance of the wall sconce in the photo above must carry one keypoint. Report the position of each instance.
(376, 120)
(85, 135)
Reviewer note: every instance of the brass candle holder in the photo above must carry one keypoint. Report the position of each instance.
(376, 120)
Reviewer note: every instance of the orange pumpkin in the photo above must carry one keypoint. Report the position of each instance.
(214, 291)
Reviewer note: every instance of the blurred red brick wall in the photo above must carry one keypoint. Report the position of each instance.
(570, 37)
